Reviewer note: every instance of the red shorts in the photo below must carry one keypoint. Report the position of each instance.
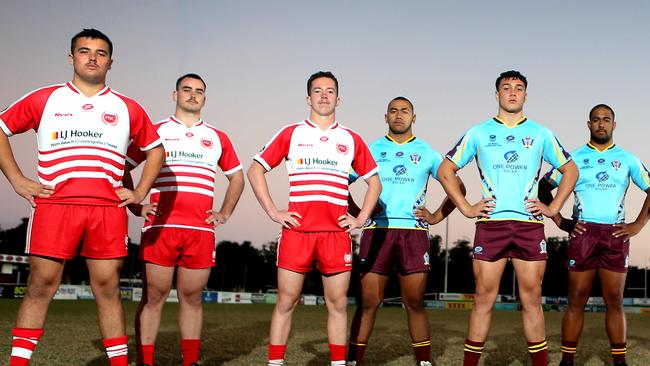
(170, 246)
(509, 239)
(57, 231)
(383, 250)
(598, 248)
(331, 251)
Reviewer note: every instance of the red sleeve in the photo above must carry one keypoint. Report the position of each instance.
(364, 164)
(135, 156)
(25, 114)
(277, 149)
(228, 162)
(143, 134)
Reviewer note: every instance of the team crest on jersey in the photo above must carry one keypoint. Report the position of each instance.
(87, 107)
(415, 158)
(478, 250)
(206, 143)
(510, 138)
(493, 138)
(382, 154)
(324, 138)
(601, 161)
(542, 247)
(399, 154)
(528, 142)
(343, 149)
(616, 165)
(189, 134)
(110, 119)
(347, 258)
(426, 259)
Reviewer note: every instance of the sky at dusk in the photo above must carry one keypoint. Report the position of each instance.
(256, 56)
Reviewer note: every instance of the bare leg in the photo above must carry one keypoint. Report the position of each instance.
(42, 284)
(335, 288)
(372, 294)
(289, 288)
(613, 284)
(413, 287)
(529, 277)
(158, 283)
(487, 276)
(579, 289)
(190, 284)
(105, 283)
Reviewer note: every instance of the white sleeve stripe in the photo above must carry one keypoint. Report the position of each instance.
(187, 169)
(152, 145)
(233, 170)
(371, 173)
(261, 160)
(6, 129)
(21, 352)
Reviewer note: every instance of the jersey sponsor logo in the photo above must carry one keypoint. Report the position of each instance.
(511, 156)
(324, 138)
(342, 149)
(572, 262)
(585, 161)
(87, 107)
(527, 142)
(382, 154)
(616, 164)
(399, 170)
(510, 138)
(602, 176)
(478, 250)
(110, 119)
(493, 138)
(426, 259)
(190, 135)
(399, 154)
(206, 143)
(542, 247)
(316, 161)
(305, 145)
(415, 158)
(65, 134)
(601, 161)
(183, 154)
(63, 114)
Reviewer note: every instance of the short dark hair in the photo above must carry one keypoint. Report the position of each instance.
(94, 34)
(601, 105)
(191, 76)
(512, 74)
(322, 74)
(404, 99)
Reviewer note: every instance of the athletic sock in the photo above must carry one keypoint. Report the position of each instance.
(538, 353)
(190, 349)
(473, 352)
(618, 351)
(276, 354)
(569, 350)
(145, 354)
(356, 350)
(337, 354)
(23, 343)
(116, 350)
(422, 350)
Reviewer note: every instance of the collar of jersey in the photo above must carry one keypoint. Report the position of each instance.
(521, 121)
(400, 143)
(589, 145)
(312, 124)
(74, 89)
(197, 123)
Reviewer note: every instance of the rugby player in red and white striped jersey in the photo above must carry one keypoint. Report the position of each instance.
(319, 154)
(83, 130)
(180, 222)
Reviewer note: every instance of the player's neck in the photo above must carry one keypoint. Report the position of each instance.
(86, 88)
(603, 146)
(510, 119)
(323, 122)
(189, 119)
(401, 137)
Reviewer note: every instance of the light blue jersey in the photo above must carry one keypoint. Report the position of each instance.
(404, 170)
(599, 195)
(509, 161)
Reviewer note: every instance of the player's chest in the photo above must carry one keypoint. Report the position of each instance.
(315, 149)
(406, 162)
(508, 147)
(602, 172)
(184, 146)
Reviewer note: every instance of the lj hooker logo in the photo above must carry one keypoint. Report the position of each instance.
(65, 134)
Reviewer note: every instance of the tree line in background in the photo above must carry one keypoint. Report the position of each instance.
(243, 267)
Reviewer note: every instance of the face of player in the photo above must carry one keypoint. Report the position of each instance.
(400, 117)
(323, 99)
(190, 96)
(511, 95)
(91, 60)
(601, 125)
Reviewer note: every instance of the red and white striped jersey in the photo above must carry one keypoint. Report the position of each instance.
(82, 141)
(318, 163)
(184, 190)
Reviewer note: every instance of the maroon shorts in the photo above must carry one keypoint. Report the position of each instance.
(330, 251)
(385, 250)
(509, 239)
(171, 246)
(62, 231)
(598, 248)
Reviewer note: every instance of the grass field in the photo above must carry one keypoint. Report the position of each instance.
(238, 335)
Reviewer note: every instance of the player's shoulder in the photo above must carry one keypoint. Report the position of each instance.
(350, 131)
(210, 129)
(131, 103)
(43, 93)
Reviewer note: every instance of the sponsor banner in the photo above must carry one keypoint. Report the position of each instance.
(456, 305)
(173, 296)
(320, 300)
(19, 292)
(434, 304)
(85, 293)
(243, 298)
(555, 300)
(234, 297)
(126, 293)
(450, 297)
(635, 310)
(210, 297)
(258, 298)
(595, 301)
(642, 302)
(226, 297)
(309, 300)
(628, 301)
(645, 311)
(137, 294)
(506, 298)
(66, 292)
(270, 298)
(506, 306)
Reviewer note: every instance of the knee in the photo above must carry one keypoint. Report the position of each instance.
(485, 295)
(193, 299)
(286, 303)
(413, 304)
(156, 297)
(41, 289)
(613, 301)
(106, 289)
(370, 302)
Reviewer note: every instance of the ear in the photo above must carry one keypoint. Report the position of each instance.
(613, 125)
(338, 101)
(414, 117)
(70, 59)
(308, 100)
(175, 96)
(386, 118)
(110, 64)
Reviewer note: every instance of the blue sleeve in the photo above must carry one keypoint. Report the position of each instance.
(554, 177)
(553, 152)
(639, 174)
(435, 163)
(465, 149)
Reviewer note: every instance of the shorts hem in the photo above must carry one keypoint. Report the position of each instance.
(198, 266)
(51, 255)
(534, 259)
(413, 271)
(294, 269)
(160, 263)
(118, 256)
(331, 271)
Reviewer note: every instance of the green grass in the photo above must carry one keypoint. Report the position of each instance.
(238, 335)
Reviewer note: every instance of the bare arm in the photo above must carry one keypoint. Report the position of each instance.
(261, 189)
(25, 187)
(233, 193)
(569, 177)
(152, 165)
(635, 227)
(452, 185)
(369, 202)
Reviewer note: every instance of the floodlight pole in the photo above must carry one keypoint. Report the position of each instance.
(446, 251)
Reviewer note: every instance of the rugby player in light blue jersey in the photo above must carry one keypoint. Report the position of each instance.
(396, 237)
(509, 150)
(599, 237)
